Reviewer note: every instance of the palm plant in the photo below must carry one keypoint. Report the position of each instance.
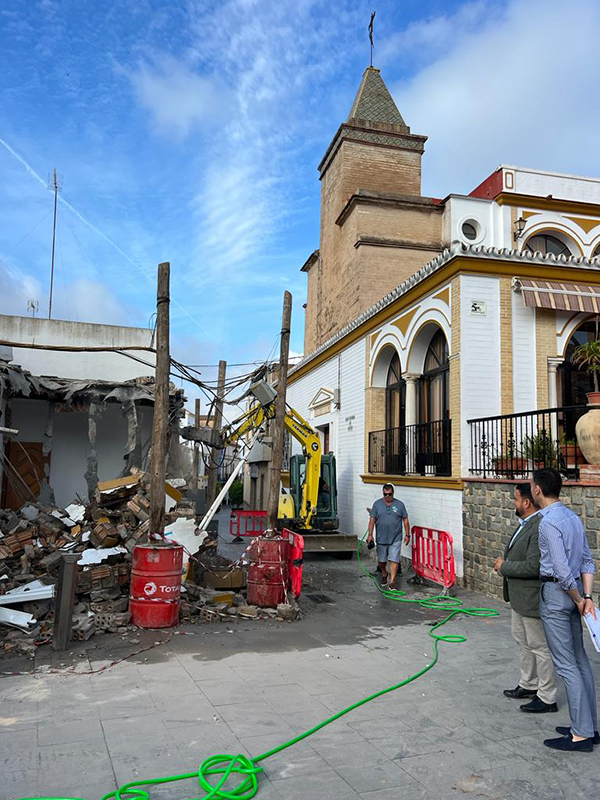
(587, 355)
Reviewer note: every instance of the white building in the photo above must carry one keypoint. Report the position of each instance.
(81, 416)
(424, 315)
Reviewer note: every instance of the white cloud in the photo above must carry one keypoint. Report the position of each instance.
(178, 98)
(521, 88)
(17, 290)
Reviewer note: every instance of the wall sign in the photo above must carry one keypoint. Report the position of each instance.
(479, 308)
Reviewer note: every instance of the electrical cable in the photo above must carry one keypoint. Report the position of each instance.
(222, 767)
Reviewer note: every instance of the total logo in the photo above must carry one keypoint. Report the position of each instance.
(151, 588)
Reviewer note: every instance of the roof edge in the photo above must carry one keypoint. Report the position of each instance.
(456, 249)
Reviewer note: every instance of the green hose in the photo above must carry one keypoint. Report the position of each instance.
(221, 768)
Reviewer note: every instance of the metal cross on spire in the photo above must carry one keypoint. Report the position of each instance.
(370, 29)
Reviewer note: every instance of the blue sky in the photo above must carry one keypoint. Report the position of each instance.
(191, 131)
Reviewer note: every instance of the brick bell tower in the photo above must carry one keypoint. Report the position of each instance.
(376, 228)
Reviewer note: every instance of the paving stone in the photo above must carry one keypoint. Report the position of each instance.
(327, 784)
(77, 730)
(368, 777)
(248, 719)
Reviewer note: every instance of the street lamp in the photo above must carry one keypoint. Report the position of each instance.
(519, 228)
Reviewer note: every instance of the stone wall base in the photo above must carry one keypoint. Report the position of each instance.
(489, 521)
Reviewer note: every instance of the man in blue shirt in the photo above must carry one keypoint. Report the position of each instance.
(390, 516)
(566, 575)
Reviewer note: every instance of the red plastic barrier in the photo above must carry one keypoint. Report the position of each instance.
(433, 555)
(247, 523)
(296, 560)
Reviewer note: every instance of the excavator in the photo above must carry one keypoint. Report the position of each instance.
(309, 504)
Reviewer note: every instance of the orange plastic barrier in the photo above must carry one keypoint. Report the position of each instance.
(247, 523)
(433, 555)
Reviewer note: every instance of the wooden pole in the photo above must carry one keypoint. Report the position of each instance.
(279, 430)
(196, 462)
(161, 403)
(211, 491)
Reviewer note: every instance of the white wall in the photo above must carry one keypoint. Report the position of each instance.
(524, 361)
(70, 447)
(563, 187)
(479, 356)
(438, 508)
(93, 366)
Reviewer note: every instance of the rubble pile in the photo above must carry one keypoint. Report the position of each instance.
(214, 592)
(104, 533)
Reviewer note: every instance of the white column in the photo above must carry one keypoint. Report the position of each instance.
(553, 364)
(410, 418)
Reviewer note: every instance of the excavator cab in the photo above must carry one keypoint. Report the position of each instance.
(326, 518)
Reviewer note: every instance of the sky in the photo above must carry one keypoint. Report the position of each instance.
(190, 132)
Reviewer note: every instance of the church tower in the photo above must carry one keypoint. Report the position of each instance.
(376, 228)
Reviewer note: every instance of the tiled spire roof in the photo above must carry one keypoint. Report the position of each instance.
(374, 103)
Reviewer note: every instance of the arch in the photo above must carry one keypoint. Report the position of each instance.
(434, 388)
(595, 248)
(575, 382)
(395, 395)
(421, 339)
(387, 347)
(565, 336)
(563, 235)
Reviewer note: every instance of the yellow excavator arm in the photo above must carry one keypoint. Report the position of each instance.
(305, 434)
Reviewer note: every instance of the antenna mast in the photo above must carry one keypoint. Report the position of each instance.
(55, 184)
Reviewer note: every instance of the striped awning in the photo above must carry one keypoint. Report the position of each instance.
(559, 296)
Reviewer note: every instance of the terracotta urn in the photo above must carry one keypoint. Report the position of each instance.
(587, 430)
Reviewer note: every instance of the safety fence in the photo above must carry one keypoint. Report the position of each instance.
(247, 523)
(433, 555)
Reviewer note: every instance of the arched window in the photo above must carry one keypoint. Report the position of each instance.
(544, 243)
(395, 395)
(596, 253)
(434, 401)
(576, 382)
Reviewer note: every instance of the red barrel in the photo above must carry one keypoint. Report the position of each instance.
(155, 585)
(268, 571)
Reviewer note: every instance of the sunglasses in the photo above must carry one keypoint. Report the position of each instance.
(388, 494)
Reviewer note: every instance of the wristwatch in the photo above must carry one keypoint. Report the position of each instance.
(587, 596)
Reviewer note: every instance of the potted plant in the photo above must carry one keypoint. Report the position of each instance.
(571, 452)
(587, 356)
(510, 462)
(540, 449)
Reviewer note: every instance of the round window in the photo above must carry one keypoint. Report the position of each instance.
(469, 230)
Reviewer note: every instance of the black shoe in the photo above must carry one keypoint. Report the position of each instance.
(538, 706)
(519, 693)
(564, 731)
(567, 744)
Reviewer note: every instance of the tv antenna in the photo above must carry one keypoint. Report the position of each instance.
(55, 184)
(33, 306)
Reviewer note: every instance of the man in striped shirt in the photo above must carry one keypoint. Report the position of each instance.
(566, 575)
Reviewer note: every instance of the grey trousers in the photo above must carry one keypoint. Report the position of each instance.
(537, 670)
(562, 624)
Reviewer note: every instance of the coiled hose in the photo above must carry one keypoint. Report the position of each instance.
(227, 777)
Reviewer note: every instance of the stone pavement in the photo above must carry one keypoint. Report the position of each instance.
(245, 687)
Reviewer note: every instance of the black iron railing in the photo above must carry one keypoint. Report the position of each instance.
(423, 449)
(513, 445)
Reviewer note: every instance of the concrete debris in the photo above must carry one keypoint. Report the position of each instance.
(103, 534)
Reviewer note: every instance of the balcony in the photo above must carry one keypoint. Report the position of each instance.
(513, 445)
(423, 449)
